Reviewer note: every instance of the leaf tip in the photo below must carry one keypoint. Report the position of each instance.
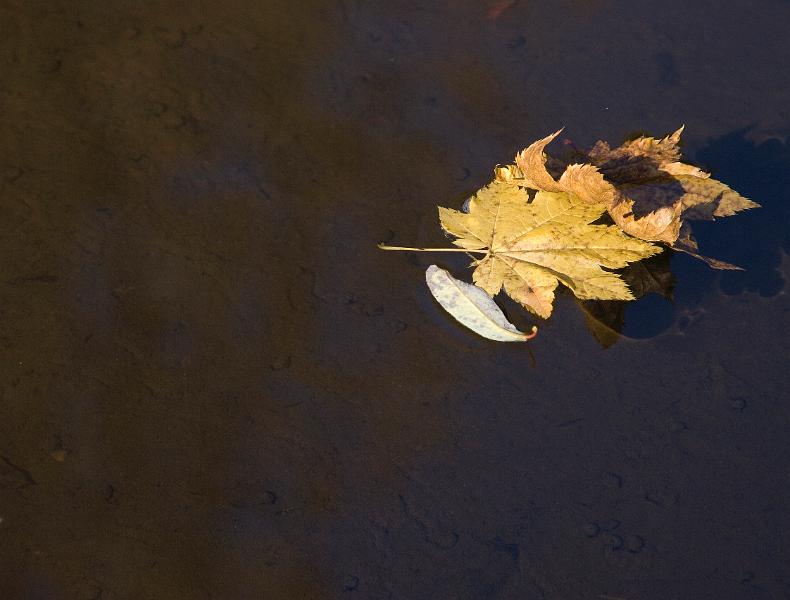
(675, 137)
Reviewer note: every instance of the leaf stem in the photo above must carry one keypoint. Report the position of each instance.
(385, 247)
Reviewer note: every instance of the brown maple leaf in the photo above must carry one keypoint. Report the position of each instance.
(656, 193)
(647, 191)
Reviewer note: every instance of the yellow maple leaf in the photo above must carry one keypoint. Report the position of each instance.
(531, 245)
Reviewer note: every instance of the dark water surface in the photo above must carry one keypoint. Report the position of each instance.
(213, 385)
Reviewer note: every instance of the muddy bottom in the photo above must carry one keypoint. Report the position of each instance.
(215, 386)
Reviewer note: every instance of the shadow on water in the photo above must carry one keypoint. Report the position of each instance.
(757, 238)
(754, 240)
(671, 288)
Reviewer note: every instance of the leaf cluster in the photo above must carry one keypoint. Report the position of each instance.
(544, 221)
(648, 192)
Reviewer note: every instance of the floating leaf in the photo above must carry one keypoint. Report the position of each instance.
(531, 246)
(531, 242)
(656, 193)
(647, 191)
(472, 307)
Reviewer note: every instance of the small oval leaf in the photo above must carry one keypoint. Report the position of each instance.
(472, 307)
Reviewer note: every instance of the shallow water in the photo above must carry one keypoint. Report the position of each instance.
(215, 385)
